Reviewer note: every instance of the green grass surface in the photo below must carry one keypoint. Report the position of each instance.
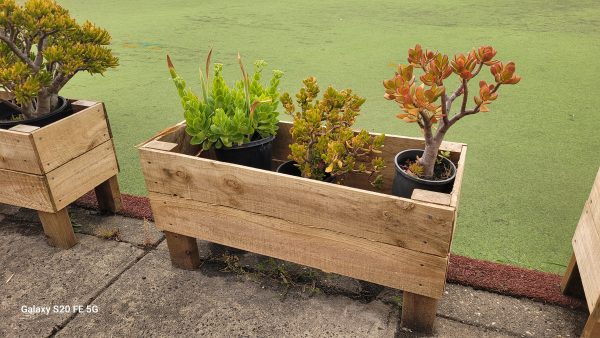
(531, 161)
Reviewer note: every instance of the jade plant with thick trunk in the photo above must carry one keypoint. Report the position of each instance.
(430, 105)
(42, 47)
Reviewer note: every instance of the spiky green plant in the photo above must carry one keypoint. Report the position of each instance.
(324, 142)
(228, 116)
(34, 76)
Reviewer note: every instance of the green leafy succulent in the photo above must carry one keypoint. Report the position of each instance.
(226, 116)
(324, 142)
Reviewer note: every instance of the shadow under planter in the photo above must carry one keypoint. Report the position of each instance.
(47, 168)
(352, 229)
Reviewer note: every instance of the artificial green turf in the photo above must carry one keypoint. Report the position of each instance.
(531, 161)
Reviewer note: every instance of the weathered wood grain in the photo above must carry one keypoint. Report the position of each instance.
(82, 174)
(64, 140)
(317, 247)
(17, 152)
(418, 312)
(25, 190)
(586, 245)
(57, 226)
(363, 214)
(431, 197)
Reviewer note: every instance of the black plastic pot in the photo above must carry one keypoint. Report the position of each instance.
(255, 154)
(290, 168)
(404, 184)
(6, 112)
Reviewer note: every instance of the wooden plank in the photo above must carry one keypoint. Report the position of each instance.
(82, 174)
(375, 262)
(64, 140)
(17, 152)
(460, 169)
(183, 251)
(418, 312)
(571, 282)
(586, 245)
(160, 145)
(593, 202)
(592, 326)
(376, 217)
(25, 190)
(108, 195)
(23, 128)
(58, 227)
(431, 197)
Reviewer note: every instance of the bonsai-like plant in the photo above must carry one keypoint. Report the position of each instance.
(324, 142)
(420, 102)
(227, 116)
(34, 76)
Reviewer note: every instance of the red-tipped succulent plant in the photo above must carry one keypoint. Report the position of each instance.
(429, 104)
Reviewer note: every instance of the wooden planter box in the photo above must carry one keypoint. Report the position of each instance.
(582, 277)
(48, 168)
(351, 229)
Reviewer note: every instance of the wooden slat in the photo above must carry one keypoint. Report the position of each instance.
(593, 202)
(108, 195)
(23, 128)
(17, 152)
(70, 137)
(571, 282)
(586, 245)
(82, 174)
(592, 326)
(375, 262)
(25, 190)
(376, 217)
(160, 145)
(431, 197)
(460, 169)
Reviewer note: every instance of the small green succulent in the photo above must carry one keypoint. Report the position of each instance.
(226, 116)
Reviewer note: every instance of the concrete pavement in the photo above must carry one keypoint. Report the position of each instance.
(126, 286)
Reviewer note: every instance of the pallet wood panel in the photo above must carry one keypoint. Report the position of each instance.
(86, 130)
(431, 197)
(82, 174)
(586, 245)
(25, 190)
(17, 152)
(362, 214)
(380, 263)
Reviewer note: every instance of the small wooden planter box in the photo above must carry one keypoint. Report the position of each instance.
(582, 277)
(48, 168)
(351, 229)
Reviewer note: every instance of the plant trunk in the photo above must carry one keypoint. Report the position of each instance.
(45, 103)
(429, 157)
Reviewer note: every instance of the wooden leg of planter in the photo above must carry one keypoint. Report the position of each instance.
(592, 327)
(183, 251)
(109, 195)
(58, 227)
(418, 312)
(571, 282)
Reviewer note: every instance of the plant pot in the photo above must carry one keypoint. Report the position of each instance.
(255, 154)
(290, 168)
(64, 109)
(404, 183)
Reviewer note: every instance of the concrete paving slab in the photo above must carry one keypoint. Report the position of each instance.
(522, 317)
(451, 329)
(155, 299)
(130, 230)
(33, 274)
